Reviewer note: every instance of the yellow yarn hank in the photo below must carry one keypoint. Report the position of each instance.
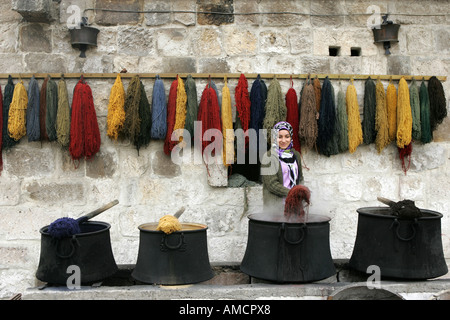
(168, 224)
(63, 115)
(391, 105)
(381, 119)
(17, 116)
(227, 127)
(355, 136)
(116, 110)
(404, 115)
(180, 111)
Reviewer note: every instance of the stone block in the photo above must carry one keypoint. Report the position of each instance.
(316, 65)
(8, 37)
(442, 40)
(398, 65)
(54, 193)
(162, 165)
(186, 18)
(301, 40)
(208, 42)
(178, 65)
(160, 17)
(213, 65)
(240, 41)
(302, 8)
(224, 7)
(111, 18)
(103, 165)
(274, 42)
(9, 192)
(28, 162)
(35, 37)
(331, 8)
(247, 7)
(173, 42)
(37, 10)
(47, 63)
(420, 41)
(136, 41)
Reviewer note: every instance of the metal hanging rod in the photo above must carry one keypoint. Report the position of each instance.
(218, 75)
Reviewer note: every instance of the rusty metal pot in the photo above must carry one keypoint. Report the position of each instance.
(283, 251)
(177, 258)
(402, 248)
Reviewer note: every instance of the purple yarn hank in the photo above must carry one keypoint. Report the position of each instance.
(63, 227)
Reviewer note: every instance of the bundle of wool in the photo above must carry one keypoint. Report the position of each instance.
(342, 121)
(168, 224)
(308, 128)
(63, 227)
(18, 112)
(333, 143)
(143, 138)
(63, 115)
(242, 99)
(297, 200)
(426, 135)
(116, 109)
(43, 110)
(180, 112)
(227, 126)
(405, 152)
(191, 105)
(33, 111)
(1, 131)
(368, 124)
(404, 115)
(415, 110)
(391, 106)
(159, 110)
(292, 115)
(51, 109)
(275, 108)
(258, 96)
(209, 117)
(8, 142)
(381, 118)
(327, 119)
(438, 107)
(171, 116)
(318, 92)
(132, 124)
(84, 131)
(355, 137)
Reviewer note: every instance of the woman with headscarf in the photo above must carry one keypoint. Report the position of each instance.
(280, 167)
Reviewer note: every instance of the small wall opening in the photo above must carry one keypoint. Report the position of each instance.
(355, 52)
(334, 51)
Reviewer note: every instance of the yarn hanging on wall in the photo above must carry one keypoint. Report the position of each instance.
(143, 138)
(275, 110)
(180, 113)
(242, 99)
(426, 135)
(171, 115)
(63, 115)
(43, 110)
(327, 119)
(8, 142)
(84, 131)
(381, 118)
(292, 115)
(355, 136)
(318, 92)
(415, 110)
(1, 131)
(438, 108)
(33, 131)
(132, 124)
(342, 121)
(51, 109)
(308, 128)
(191, 105)
(227, 126)
(116, 109)
(391, 105)
(369, 133)
(258, 96)
(17, 112)
(404, 115)
(159, 110)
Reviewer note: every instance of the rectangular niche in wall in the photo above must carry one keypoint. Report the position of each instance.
(334, 51)
(355, 51)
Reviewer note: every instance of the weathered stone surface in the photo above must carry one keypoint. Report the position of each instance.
(163, 166)
(208, 42)
(181, 65)
(221, 6)
(136, 41)
(274, 42)
(28, 162)
(109, 18)
(213, 65)
(173, 42)
(398, 65)
(327, 13)
(238, 41)
(49, 192)
(182, 9)
(299, 8)
(35, 37)
(36, 11)
(103, 165)
(42, 62)
(160, 16)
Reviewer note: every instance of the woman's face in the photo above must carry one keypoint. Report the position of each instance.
(284, 139)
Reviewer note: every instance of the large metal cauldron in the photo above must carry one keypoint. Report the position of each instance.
(401, 248)
(283, 251)
(89, 250)
(177, 258)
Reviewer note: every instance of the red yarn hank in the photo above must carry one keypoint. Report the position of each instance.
(84, 131)
(405, 153)
(243, 103)
(209, 117)
(43, 110)
(292, 116)
(294, 206)
(171, 116)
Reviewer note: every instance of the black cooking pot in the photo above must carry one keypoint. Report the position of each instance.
(90, 250)
(401, 247)
(177, 258)
(283, 251)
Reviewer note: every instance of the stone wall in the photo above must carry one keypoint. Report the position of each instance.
(40, 183)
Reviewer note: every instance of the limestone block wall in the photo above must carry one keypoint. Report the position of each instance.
(40, 183)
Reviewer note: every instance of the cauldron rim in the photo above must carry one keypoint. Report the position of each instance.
(368, 211)
(106, 225)
(202, 227)
(311, 219)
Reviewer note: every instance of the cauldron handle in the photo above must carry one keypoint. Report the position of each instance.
(72, 243)
(176, 247)
(397, 224)
(284, 228)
